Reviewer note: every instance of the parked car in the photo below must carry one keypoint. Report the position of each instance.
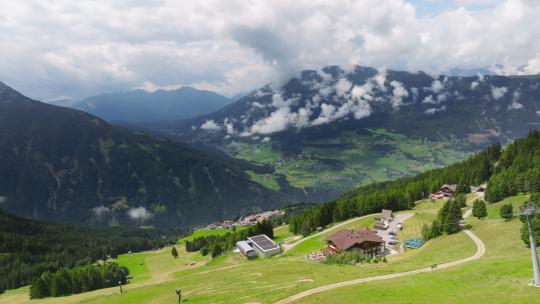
(400, 226)
(392, 242)
(392, 232)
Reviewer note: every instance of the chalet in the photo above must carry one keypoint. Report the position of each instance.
(445, 192)
(363, 240)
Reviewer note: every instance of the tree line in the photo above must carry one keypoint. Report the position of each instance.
(66, 281)
(29, 248)
(397, 194)
(517, 170)
(217, 244)
(447, 221)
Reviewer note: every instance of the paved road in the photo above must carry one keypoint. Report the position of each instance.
(287, 247)
(399, 218)
(480, 250)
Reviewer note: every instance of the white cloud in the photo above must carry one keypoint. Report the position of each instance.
(3, 199)
(398, 93)
(139, 214)
(429, 100)
(343, 86)
(515, 105)
(474, 84)
(432, 111)
(210, 125)
(538, 113)
(498, 92)
(278, 121)
(100, 211)
(54, 48)
(436, 86)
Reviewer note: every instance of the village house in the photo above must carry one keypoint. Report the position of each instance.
(445, 192)
(364, 240)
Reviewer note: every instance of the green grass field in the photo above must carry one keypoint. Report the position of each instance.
(204, 232)
(500, 276)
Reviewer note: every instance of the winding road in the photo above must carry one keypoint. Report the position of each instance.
(480, 250)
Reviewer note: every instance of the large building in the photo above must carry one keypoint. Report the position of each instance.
(260, 245)
(363, 240)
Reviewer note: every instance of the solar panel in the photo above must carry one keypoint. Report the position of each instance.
(263, 242)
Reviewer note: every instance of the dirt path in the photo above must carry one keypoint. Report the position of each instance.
(480, 250)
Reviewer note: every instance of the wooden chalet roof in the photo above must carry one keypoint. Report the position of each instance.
(452, 187)
(345, 239)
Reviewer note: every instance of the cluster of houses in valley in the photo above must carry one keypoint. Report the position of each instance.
(246, 220)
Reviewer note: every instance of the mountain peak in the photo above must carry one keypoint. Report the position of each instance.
(8, 94)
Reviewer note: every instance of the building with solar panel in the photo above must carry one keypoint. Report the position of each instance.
(260, 245)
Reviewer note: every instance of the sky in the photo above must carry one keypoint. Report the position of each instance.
(56, 49)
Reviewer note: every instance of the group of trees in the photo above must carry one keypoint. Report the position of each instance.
(28, 248)
(77, 280)
(448, 221)
(217, 244)
(517, 170)
(398, 194)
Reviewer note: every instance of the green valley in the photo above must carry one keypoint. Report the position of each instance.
(351, 159)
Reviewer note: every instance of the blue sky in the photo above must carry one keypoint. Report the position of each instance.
(428, 8)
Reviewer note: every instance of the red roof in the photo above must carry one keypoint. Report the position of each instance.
(345, 239)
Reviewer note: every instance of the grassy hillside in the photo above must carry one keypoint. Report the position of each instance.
(500, 276)
(232, 279)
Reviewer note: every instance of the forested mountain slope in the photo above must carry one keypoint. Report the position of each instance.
(65, 165)
(516, 169)
(29, 247)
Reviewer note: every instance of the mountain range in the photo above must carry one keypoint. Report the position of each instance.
(65, 165)
(330, 130)
(160, 105)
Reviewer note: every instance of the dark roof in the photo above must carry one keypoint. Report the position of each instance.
(263, 242)
(452, 187)
(344, 239)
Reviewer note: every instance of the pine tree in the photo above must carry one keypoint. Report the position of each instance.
(461, 199)
(174, 252)
(453, 218)
(479, 209)
(507, 211)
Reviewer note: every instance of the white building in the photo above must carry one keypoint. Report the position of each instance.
(260, 245)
